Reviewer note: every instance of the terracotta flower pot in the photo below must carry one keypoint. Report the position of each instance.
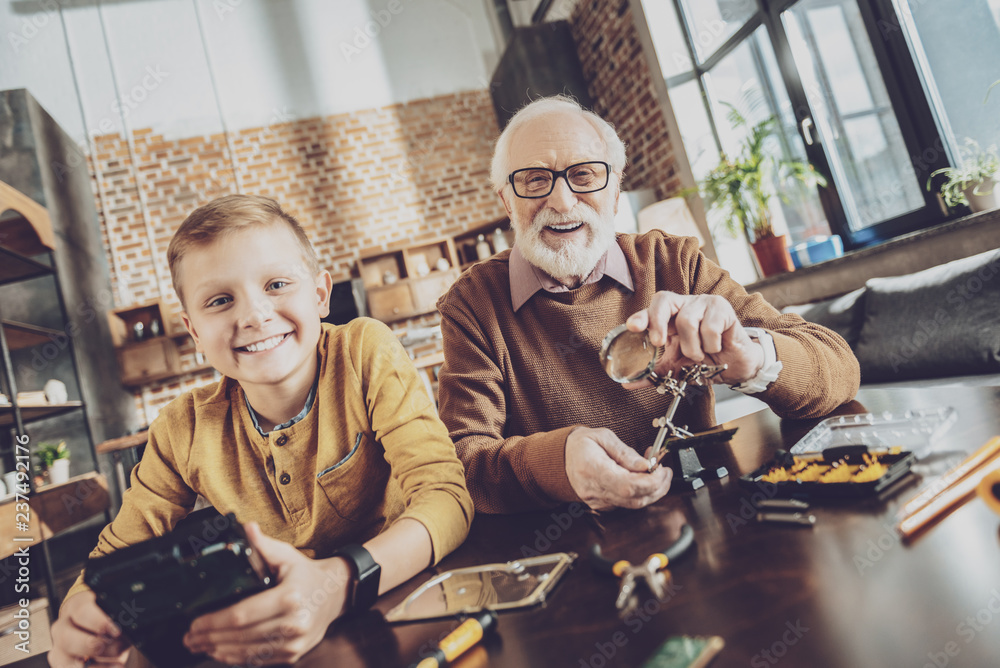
(772, 255)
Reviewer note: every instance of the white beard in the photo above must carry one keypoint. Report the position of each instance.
(570, 260)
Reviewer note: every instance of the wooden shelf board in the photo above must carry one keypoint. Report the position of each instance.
(15, 267)
(147, 380)
(55, 508)
(122, 443)
(35, 413)
(22, 335)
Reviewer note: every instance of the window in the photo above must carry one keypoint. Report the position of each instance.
(854, 107)
(956, 45)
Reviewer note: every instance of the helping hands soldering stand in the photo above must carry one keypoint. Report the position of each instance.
(629, 357)
(692, 473)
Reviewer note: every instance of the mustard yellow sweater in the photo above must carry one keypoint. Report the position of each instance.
(514, 384)
(370, 451)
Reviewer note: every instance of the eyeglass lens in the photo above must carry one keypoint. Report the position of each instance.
(582, 178)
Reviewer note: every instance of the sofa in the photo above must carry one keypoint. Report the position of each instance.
(940, 326)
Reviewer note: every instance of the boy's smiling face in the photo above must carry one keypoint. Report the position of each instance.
(253, 308)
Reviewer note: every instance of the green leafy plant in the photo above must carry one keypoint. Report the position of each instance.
(742, 187)
(979, 170)
(48, 453)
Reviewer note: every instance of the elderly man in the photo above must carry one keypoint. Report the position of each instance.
(534, 417)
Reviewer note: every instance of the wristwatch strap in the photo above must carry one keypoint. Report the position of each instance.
(769, 371)
(367, 574)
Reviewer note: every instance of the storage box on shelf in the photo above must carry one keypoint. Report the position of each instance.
(146, 343)
(407, 282)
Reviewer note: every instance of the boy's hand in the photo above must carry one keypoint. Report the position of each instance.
(281, 624)
(83, 632)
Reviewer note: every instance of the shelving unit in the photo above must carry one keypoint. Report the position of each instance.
(146, 344)
(414, 280)
(26, 235)
(407, 282)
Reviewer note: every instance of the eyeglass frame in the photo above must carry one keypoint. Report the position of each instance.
(563, 173)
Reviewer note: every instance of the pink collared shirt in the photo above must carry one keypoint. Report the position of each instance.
(526, 279)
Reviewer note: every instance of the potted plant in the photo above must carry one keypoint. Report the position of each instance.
(53, 460)
(975, 182)
(742, 188)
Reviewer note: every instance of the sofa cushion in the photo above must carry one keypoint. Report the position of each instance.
(943, 321)
(843, 314)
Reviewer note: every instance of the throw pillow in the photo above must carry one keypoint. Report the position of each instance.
(844, 314)
(943, 321)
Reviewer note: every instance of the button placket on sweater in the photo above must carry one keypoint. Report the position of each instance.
(288, 471)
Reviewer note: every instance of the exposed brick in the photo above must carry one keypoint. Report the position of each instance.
(355, 181)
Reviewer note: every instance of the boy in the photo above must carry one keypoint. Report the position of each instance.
(316, 437)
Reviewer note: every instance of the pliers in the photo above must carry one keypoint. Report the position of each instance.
(652, 571)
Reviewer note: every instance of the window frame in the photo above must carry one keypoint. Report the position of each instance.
(919, 128)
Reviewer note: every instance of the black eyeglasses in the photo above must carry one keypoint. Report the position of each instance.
(583, 177)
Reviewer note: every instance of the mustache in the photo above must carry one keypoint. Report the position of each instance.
(581, 213)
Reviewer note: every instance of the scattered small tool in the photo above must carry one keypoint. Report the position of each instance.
(782, 504)
(465, 636)
(788, 518)
(652, 571)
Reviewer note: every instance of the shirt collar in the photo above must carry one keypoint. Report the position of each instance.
(284, 425)
(526, 279)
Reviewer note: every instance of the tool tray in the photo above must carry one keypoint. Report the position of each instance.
(897, 465)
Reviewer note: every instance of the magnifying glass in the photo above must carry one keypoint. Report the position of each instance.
(628, 356)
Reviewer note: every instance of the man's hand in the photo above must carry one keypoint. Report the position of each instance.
(281, 624)
(607, 474)
(696, 329)
(84, 632)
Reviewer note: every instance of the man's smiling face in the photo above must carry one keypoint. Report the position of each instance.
(253, 307)
(566, 233)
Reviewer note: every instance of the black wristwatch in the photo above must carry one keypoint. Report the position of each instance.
(366, 577)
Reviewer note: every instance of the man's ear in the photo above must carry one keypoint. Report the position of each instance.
(618, 192)
(189, 326)
(324, 286)
(505, 204)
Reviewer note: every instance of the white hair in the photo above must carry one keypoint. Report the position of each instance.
(613, 146)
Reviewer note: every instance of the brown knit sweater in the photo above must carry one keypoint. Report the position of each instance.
(513, 385)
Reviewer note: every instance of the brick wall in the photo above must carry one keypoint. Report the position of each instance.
(370, 179)
(620, 84)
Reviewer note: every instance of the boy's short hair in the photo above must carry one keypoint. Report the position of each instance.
(229, 214)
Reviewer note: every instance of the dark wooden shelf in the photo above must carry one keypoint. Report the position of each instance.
(50, 512)
(22, 335)
(158, 378)
(35, 413)
(15, 267)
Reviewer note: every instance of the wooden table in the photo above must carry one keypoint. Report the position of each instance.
(846, 593)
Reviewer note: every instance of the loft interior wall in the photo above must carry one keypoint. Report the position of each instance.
(368, 120)
(304, 58)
